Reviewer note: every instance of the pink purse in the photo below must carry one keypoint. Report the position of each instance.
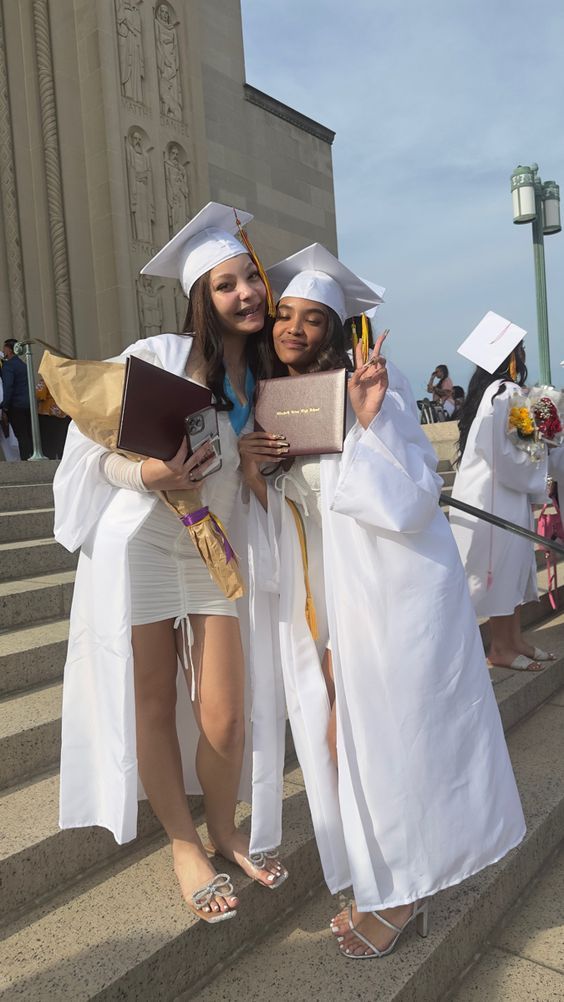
(550, 526)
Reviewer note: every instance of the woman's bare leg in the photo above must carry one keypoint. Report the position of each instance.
(219, 708)
(158, 755)
(507, 643)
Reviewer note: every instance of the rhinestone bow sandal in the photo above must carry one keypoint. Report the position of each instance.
(220, 886)
(259, 860)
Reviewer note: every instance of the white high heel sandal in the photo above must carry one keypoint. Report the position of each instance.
(421, 915)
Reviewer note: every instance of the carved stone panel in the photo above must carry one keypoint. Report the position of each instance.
(131, 53)
(140, 184)
(177, 191)
(150, 306)
(168, 61)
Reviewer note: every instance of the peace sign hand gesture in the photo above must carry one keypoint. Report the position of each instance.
(369, 383)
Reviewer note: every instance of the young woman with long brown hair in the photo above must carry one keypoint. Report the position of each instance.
(143, 594)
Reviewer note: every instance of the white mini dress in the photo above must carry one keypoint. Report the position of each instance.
(169, 579)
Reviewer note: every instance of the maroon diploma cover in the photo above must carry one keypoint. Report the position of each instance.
(308, 410)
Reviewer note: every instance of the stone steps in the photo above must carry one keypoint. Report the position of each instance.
(35, 523)
(30, 733)
(300, 960)
(29, 557)
(15, 497)
(34, 600)
(32, 655)
(37, 860)
(126, 934)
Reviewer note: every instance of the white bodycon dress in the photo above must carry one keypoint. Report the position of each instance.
(169, 579)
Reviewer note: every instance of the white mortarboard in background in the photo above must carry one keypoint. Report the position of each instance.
(491, 342)
(206, 241)
(314, 273)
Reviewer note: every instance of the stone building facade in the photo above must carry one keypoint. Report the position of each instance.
(118, 119)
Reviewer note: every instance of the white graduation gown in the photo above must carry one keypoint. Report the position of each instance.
(497, 477)
(99, 777)
(425, 794)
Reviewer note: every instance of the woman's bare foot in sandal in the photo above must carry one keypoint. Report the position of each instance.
(366, 923)
(195, 874)
(266, 869)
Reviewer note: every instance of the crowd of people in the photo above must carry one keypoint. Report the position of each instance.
(16, 440)
(358, 620)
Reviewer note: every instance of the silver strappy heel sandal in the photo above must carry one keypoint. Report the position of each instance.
(220, 886)
(420, 914)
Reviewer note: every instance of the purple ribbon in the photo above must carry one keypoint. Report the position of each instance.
(194, 517)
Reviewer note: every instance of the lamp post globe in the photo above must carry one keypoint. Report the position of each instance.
(523, 193)
(550, 208)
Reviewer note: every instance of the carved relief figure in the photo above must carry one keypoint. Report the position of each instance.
(131, 58)
(150, 304)
(140, 179)
(168, 62)
(177, 194)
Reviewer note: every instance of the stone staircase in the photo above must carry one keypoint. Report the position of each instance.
(84, 919)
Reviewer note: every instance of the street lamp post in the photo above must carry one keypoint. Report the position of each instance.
(538, 202)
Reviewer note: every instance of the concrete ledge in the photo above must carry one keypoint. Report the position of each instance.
(274, 107)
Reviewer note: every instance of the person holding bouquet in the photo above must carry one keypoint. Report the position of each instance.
(502, 469)
(392, 711)
(143, 597)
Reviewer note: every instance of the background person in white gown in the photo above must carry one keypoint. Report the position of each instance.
(498, 477)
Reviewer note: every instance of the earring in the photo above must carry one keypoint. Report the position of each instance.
(512, 367)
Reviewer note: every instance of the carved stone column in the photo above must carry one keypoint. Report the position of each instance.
(53, 180)
(17, 327)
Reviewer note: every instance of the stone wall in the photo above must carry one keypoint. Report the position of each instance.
(118, 120)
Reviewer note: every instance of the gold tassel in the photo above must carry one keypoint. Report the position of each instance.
(513, 367)
(310, 613)
(365, 338)
(354, 336)
(270, 307)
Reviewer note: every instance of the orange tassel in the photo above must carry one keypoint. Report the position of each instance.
(513, 367)
(270, 307)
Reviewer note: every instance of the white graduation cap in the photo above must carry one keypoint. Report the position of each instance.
(206, 241)
(491, 342)
(379, 290)
(314, 273)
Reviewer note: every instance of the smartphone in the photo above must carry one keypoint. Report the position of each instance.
(202, 427)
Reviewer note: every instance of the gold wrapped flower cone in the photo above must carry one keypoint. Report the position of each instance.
(91, 394)
(210, 539)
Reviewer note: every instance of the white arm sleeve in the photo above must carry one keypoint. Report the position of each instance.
(120, 471)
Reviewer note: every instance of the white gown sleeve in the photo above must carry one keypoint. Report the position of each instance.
(388, 473)
(511, 466)
(81, 491)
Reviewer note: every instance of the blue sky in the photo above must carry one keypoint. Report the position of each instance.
(434, 102)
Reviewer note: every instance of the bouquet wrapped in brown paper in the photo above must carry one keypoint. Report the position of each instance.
(91, 394)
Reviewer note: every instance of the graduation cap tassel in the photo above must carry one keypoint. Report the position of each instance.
(354, 338)
(270, 307)
(365, 337)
